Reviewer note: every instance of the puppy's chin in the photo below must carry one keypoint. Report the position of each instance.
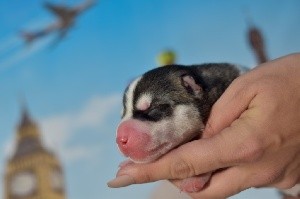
(160, 151)
(153, 154)
(146, 160)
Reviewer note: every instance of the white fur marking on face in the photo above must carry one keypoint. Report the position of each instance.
(187, 120)
(129, 98)
(173, 131)
(178, 129)
(144, 102)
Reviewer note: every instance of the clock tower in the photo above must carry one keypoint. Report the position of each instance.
(32, 172)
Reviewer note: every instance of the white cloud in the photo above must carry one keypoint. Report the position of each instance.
(96, 110)
(9, 145)
(71, 154)
(58, 130)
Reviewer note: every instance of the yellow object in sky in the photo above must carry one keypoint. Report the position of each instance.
(167, 57)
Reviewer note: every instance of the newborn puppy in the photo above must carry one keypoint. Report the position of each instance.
(169, 106)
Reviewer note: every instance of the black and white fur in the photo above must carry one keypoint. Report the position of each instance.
(174, 102)
(170, 106)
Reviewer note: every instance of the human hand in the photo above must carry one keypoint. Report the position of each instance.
(252, 138)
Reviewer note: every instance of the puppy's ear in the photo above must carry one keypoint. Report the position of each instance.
(190, 84)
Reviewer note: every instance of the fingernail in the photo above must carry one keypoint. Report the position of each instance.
(121, 181)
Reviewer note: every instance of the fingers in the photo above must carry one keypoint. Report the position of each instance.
(194, 158)
(194, 184)
(237, 97)
(234, 101)
(222, 184)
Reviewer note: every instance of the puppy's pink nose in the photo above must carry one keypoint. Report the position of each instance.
(122, 140)
(132, 138)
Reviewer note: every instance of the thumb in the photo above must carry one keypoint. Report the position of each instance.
(233, 102)
(193, 158)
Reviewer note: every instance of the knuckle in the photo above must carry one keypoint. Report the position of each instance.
(141, 173)
(251, 151)
(138, 175)
(146, 177)
(180, 169)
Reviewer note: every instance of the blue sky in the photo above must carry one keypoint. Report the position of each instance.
(73, 89)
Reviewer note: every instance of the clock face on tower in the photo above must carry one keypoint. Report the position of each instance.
(57, 180)
(23, 184)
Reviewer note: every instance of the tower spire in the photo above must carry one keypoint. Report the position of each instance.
(25, 116)
(28, 135)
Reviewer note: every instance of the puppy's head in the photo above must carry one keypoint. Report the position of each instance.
(160, 112)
